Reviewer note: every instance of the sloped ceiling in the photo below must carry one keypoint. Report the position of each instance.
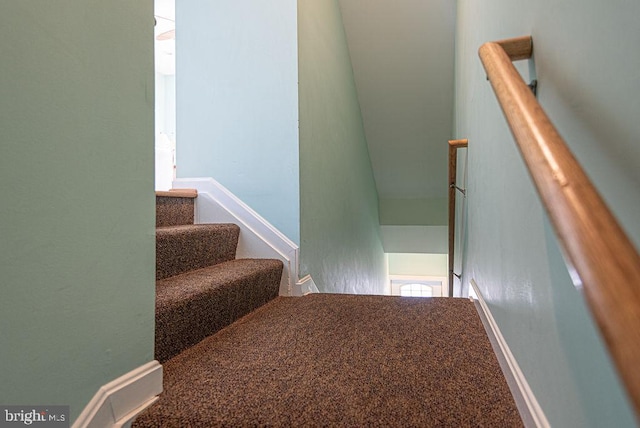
(402, 53)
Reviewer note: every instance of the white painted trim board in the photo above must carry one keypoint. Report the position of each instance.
(530, 410)
(305, 286)
(258, 238)
(118, 402)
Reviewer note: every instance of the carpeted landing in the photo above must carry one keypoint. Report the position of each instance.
(340, 360)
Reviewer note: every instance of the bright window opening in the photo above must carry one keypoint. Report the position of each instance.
(418, 286)
(416, 290)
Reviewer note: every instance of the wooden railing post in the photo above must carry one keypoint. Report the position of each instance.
(454, 145)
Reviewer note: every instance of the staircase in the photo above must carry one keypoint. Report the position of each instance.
(200, 286)
(236, 355)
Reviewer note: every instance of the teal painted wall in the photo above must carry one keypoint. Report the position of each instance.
(340, 232)
(407, 212)
(237, 102)
(418, 264)
(586, 60)
(77, 211)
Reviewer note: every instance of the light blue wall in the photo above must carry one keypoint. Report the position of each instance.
(586, 60)
(237, 102)
(77, 202)
(418, 264)
(340, 232)
(409, 212)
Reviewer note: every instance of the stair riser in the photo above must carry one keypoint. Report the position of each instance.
(179, 327)
(171, 211)
(183, 251)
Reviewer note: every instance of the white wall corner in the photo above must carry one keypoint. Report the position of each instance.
(118, 402)
(258, 238)
(528, 406)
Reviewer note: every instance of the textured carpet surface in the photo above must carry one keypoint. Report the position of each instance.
(340, 360)
(172, 211)
(183, 248)
(194, 305)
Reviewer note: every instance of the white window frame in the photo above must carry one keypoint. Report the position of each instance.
(439, 290)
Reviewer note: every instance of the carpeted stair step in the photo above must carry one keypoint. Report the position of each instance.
(180, 249)
(340, 361)
(175, 207)
(196, 304)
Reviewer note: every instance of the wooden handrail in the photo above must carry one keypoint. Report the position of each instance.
(601, 258)
(454, 145)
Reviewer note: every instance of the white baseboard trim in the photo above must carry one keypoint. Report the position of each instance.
(530, 410)
(258, 238)
(118, 402)
(305, 286)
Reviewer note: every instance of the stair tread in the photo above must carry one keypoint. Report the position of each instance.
(186, 228)
(183, 248)
(177, 193)
(186, 286)
(196, 304)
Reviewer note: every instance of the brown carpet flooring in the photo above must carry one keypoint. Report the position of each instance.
(340, 360)
(196, 304)
(172, 211)
(183, 248)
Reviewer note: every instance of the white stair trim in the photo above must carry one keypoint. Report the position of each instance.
(530, 410)
(305, 286)
(118, 402)
(258, 238)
